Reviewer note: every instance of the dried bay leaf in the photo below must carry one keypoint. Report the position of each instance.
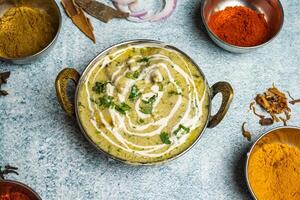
(79, 19)
(100, 11)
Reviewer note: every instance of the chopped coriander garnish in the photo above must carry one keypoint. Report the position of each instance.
(134, 93)
(133, 75)
(141, 121)
(145, 59)
(151, 100)
(146, 109)
(187, 130)
(164, 136)
(177, 82)
(93, 100)
(105, 101)
(80, 104)
(173, 92)
(100, 87)
(161, 86)
(108, 102)
(122, 108)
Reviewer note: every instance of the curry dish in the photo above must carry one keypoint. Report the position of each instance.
(143, 103)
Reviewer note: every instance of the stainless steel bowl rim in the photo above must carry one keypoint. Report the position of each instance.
(253, 146)
(92, 64)
(45, 48)
(21, 185)
(239, 47)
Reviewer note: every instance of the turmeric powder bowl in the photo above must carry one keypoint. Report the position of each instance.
(240, 26)
(273, 165)
(29, 29)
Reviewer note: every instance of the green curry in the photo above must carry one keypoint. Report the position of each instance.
(143, 103)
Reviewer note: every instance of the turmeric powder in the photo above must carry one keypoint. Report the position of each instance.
(274, 172)
(24, 31)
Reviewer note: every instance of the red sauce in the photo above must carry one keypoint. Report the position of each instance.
(14, 196)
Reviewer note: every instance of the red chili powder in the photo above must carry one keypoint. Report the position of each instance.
(14, 196)
(240, 26)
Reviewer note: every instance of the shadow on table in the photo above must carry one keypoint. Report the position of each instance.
(199, 26)
(239, 178)
(83, 143)
(197, 19)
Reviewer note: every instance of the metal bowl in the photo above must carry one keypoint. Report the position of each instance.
(8, 186)
(51, 7)
(272, 9)
(284, 135)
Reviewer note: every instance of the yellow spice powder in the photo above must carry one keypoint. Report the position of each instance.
(24, 31)
(274, 172)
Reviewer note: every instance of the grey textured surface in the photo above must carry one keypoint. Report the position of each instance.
(56, 160)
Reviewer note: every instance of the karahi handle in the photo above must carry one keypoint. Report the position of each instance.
(227, 95)
(61, 84)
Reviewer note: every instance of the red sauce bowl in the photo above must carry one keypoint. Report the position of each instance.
(8, 187)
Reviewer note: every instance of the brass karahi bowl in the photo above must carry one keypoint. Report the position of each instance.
(71, 108)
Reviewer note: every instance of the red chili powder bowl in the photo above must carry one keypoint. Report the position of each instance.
(13, 190)
(240, 26)
(14, 196)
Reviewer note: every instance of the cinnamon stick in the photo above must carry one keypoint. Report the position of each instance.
(79, 19)
(100, 11)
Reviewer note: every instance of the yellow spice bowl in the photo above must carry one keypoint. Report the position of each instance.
(52, 9)
(287, 135)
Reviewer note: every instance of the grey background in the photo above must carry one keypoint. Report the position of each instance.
(56, 160)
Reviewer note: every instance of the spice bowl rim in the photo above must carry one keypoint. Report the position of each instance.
(166, 45)
(234, 48)
(29, 59)
(21, 185)
(249, 153)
